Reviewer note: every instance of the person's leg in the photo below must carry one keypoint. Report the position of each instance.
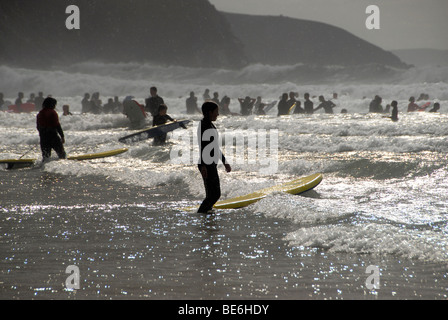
(45, 147)
(212, 190)
(59, 148)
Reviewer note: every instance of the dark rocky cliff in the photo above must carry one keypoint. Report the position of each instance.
(172, 32)
(279, 40)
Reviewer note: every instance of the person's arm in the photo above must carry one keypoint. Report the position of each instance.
(55, 120)
(319, 107)
(61, 133)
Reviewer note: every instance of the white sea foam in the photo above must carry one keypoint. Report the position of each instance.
(382, 180)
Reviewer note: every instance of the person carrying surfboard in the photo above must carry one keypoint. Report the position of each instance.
(209, 156)
(412, 106)
(161, 118)
(50, 131)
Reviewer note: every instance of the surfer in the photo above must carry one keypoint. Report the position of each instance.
(215, 98)
(110, 106)
(39, 100)
(246, 105)
(259, 107)
(192, 104)
(412, 106)
(66, 110)
(435, 108)
(375, 105)
(327, 105)
(209, 156)
(224, 105)
(308, 104)
(206, 95)
(135, 112)
(19, 102)
(161, 118)
(2, 102)
(32, 98)
(118, 105)
(153, 102)
(292, 100)
(283, 105)
(50, 131)
(96, 103)
(85, 103)
(394, 115)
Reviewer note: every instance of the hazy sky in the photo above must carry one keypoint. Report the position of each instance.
(405, 24)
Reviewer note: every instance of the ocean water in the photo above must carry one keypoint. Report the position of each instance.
(122, 220)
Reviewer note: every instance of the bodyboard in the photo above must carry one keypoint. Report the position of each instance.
(153, 131)
(24, 107)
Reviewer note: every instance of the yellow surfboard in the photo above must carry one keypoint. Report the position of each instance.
(28, 162)
(98, 155)
(293, 187)
(291, 110)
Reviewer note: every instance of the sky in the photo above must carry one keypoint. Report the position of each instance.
(404, 24)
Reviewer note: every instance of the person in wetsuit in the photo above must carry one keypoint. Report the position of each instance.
(161, 118)
(412, 106)
(209, 156)
(19, 101)
(394, 115)
(246, 105)
(282, 106)
(435, 108)
(153, 102)
(327, 105)
(39, 100)
(50, 131)
(375, 105)
(192, 104)
(308, 104)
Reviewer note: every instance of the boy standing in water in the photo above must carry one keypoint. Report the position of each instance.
(49, 127)
(209, 156)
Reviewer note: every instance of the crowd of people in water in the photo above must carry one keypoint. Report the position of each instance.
(288, 103)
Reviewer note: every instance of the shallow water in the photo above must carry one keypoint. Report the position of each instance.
(122, 220)
(129, 246)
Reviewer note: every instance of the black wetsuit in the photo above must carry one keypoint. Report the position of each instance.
(327, 106)
(158, 120)
(209, 160)
(283, 107)
(152, 105)
(50, 133)
(192, 105)
(308, 104)
(394, 116)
